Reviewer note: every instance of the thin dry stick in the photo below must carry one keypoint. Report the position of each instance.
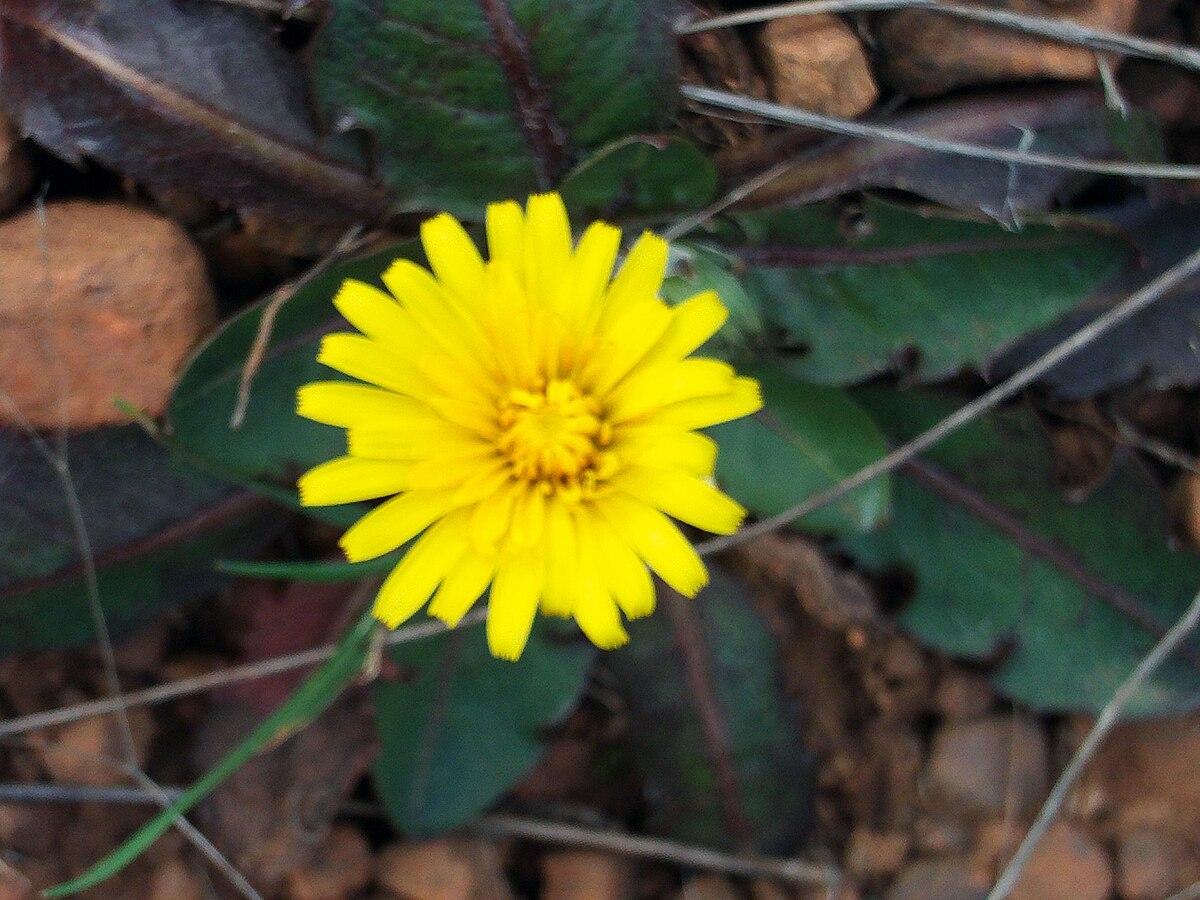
(742, 191)
(1133, 304)
(1191, 892)
(199, 683)
(791, 870)
(790, 115)
(1057, 30)
(1108, 718)
(266, 323)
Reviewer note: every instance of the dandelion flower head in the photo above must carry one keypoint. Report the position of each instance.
(531, 420)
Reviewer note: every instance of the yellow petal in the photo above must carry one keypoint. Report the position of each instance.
(345, 403)
(453, 256)
(547, 248)
(693, 322)
(466, 581)
(349, 480)
(684, 497)
(374, 313)
(744, 398)
(514, 602)
(367, 360)
(392, 523)
(640, 277)
(623, 344)
(445, 324)
(413, 437)
(656, 540)
(505, 231)
(447, 473)
(654, 387)
(416, 576)
(592, 264)
(649, 446)
(562, 573)
(529, 518)
(594, 609)
(491, 519)
(626, 575)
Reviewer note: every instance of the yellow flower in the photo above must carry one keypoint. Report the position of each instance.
(535, 418)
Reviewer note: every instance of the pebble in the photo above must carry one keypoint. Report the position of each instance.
(976, 766)
(174, 879)
(341, 866)
(876, 854)
(817, 63)
(1066, 863)
(709, 887)
(1145, 866)
(101, 301)
(586, 875)
(432, 870)
(962, 695)
(941, 879)
(78, 752)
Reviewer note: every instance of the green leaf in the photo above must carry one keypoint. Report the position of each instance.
(773, 771)
(152, 525)
(55, 612)
(640, 176)
(854, 296)
(460, 727)
(272, 444)
(807, 438)
(315, 571)
(309, 700)
(979, 594)
(475, 101)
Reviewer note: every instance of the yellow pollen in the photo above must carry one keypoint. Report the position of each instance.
(553, 435)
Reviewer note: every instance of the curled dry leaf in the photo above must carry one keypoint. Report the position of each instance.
(197, 95)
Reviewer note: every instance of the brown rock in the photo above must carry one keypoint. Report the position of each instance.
(586, 875)
(817, 63)
(16, 171)
(1146, 869)
(926, 54)
(875, 854)
(771, 890)
(105, 300)
(433, 870)
(341, 866)
(938, 837)
(995, 843)
(174, 879)
(962, 695)
(1146, 774)
(709, 887)
(944, 879)
(1067, 863)
(978, 766)
(86, 751)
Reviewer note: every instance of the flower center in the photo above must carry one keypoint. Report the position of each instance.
(555, 436)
